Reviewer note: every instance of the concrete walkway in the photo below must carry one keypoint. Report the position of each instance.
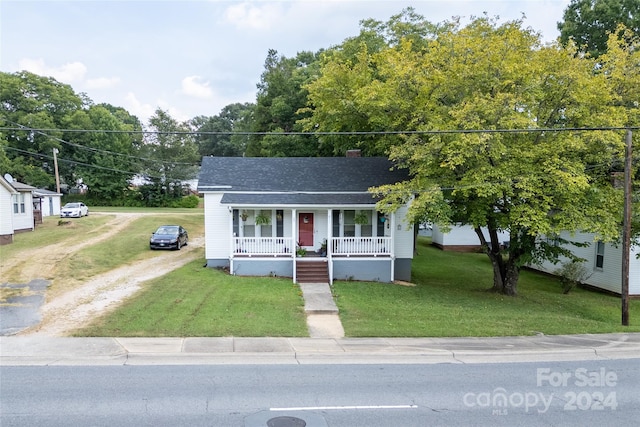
(42, 351)
(322, 313)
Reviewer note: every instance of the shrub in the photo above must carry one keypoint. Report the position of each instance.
(571, 274)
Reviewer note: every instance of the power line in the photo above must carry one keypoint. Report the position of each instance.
(336, 133)
(96, 150)
(77, 163)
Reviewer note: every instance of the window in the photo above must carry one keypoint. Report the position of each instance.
(599, 256)
(279, 223)
(366, 230)
(349, 224)
(266, 230)
(380, 224)
(18, 203)
(236, 222)
(335, 219)
(249, 230)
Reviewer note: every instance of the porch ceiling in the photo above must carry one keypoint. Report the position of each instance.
(284, 199)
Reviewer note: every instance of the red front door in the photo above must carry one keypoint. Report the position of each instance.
(305, 229)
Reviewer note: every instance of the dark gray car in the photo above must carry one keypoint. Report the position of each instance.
(169, 237)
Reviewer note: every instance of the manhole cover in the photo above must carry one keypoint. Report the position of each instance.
(286, 422)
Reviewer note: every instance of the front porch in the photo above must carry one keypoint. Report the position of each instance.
(334, 247)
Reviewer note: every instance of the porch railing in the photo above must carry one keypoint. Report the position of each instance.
(361, 246)
(264, 246)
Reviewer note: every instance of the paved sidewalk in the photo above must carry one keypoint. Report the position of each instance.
(321, 310)
(29, 350)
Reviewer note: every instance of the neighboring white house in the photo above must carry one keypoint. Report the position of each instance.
(461, 238)
(50, 201)
(603, 263)
(603, 260)
(260, 212)
(6, 211)
(23, 219)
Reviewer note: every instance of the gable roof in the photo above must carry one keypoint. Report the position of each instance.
(297, 174)
(44, 192)
(6, 184)
(24, 188)
(297, 180)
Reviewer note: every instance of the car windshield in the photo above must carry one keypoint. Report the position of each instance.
(72, 205)
(167, 230)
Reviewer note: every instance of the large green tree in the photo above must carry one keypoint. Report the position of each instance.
(589, 22)
(170, 157)
(343, 104)
(458, 102)
(29, 101)
(98, 151)
(281, 96)
(226, 134)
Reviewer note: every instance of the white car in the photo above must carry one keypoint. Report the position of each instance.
(76, 209)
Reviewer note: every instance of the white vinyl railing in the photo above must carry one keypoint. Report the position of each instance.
(361, 245)
(339, 246)
(263, 246)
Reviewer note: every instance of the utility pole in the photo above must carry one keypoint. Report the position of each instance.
(55, 166)
(626, 232)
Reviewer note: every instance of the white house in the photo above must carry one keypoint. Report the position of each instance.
(7, 192)
(461, 238)
(23, 219)
(307, 218)
(603, 262)
(50, 201)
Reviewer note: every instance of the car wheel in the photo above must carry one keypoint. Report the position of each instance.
(87, 213)
(178, 245)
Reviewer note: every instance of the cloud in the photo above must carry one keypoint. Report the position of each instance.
(193, 86)
(141, 110)
(248, 15)
(67, 73)
(103, 83)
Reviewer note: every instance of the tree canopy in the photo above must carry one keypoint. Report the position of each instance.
(453, 103)
(589, 22)
(279, 102)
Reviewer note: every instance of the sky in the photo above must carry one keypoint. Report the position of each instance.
(192, 58)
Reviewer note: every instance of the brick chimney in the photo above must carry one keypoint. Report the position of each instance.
(354, 153)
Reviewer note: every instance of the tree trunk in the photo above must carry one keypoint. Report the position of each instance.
(505, 273)
(510, 278)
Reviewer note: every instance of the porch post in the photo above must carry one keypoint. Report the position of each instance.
(329, 236)
(393, 245)
(294, 236)
(232, 240)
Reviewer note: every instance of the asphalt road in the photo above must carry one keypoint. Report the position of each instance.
(525, 394)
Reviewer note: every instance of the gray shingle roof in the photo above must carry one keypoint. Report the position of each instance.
(284, 199)
(296, 174)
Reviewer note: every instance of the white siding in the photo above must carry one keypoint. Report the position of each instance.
(609, 277)
(6, 212)
(51, 205)
(403, 234)
(634, 271)
(24, 221)
(217, 227)
(462, 235)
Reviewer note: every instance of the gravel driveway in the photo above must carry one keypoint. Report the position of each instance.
(77, 307)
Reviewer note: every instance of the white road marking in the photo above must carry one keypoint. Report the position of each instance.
(325, 408)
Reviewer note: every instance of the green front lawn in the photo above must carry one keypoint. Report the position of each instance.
(197, 301)
(449, 299)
